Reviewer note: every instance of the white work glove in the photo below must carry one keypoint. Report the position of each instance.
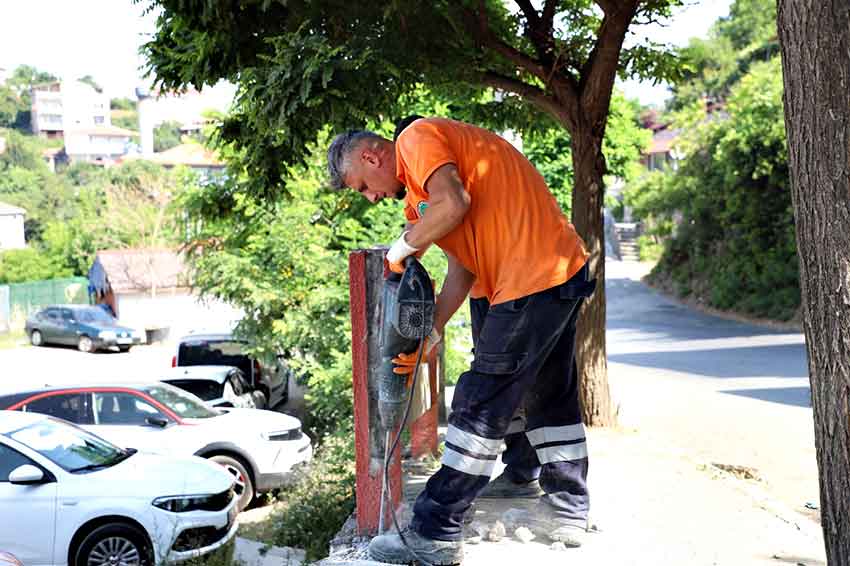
(398, 252)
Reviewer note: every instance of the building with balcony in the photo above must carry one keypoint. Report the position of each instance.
(61, 106)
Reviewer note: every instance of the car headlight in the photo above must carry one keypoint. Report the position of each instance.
(279, 435)
(187, 503)
(106, 335)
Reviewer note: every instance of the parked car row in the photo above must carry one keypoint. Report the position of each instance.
(142, 473)
(260, 449)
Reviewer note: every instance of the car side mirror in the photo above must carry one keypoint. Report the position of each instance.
(157, 422)
(26, 475)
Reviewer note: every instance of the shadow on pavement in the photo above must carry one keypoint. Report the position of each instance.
(783, 360)
(794, 396)
(632, 306)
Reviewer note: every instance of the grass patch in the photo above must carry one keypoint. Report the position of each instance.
(312, 511)
(13, 339)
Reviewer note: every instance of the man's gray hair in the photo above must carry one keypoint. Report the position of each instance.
(339, 154)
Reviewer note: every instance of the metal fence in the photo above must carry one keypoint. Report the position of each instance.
(4, 308)
(19, 300)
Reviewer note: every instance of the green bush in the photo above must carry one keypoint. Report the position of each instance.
(734, 245)
(319, 503)
(648, 248)
(30, 264)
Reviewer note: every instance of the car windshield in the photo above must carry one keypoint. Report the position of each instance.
(184, 404)
(69, 447)
(214, 353)
(96, 315)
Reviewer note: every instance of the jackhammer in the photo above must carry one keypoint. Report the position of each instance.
(407, 317)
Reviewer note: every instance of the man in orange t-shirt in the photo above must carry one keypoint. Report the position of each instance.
(474, 195)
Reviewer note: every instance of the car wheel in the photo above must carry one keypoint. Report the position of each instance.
(36, 339)
(258, 398)
(85, 344)
(244, 487)
(114, 543)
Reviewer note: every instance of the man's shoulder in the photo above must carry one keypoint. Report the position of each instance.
(429, 127)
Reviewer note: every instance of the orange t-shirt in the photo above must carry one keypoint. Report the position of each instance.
(514, 237)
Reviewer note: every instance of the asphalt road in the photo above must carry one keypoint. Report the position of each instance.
(722, 392)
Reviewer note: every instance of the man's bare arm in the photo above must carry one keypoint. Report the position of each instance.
(447, 204)
(454, 292)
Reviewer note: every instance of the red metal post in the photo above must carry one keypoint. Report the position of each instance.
(365, 270)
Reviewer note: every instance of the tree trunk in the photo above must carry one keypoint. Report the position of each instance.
(588, 193)
(815, 42)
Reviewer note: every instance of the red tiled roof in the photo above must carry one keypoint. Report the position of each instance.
(142, 269)
(662, 141)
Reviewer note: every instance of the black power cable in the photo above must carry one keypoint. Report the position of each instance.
(395, 442)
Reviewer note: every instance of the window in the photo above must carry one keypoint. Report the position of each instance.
(98, 120)
(119, 408)
(67, 315)
(9, 460)
(73, 407)
(53, 315)
(214, 353)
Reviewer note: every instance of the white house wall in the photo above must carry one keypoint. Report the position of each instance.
(12, 231)
(181, 312)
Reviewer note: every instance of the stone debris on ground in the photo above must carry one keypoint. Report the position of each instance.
(524, 534)
(496, 532)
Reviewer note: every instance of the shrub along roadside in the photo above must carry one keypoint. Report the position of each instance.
(311, 511)
(734, 247)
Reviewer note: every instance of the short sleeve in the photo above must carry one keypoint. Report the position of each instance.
(423, 149)
(410, 214)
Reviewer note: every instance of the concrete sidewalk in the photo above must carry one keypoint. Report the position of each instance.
(652, 507)
(706, 405)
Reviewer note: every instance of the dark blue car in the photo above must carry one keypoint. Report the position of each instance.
(89, 328)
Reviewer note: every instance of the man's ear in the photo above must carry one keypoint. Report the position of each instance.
(370, 156)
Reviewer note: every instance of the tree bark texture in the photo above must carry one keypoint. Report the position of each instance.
(591, 355)
(815, 41)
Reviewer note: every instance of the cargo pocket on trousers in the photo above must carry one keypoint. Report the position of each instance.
(498, 364)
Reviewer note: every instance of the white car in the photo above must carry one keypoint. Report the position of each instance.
(260, 448)
(219, 386)
(68, 497)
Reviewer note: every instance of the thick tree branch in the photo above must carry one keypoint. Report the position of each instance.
(608, 6)
(600, 70)
(529, 12)
(517, 57)
(533, 94)
(561, 85)
(548, 18)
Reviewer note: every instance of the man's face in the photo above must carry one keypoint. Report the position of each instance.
(372, 173)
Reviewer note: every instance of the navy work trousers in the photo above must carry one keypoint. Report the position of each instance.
(524, 357)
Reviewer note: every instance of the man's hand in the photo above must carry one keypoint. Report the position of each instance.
(406, 363)
(398, 252)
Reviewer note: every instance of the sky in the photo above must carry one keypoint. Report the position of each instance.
(73, 38)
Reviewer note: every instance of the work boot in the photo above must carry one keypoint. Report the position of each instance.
(390, 548)
(545, 519)
(503, 486)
